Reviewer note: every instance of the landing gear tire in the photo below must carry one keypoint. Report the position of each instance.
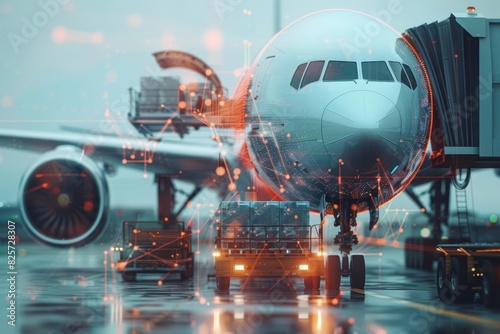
(223, 283)
(357, 272)
(442, 282)
(460, 290)
(490, 291)
(332, 274)
(129, 277)
(311, 283)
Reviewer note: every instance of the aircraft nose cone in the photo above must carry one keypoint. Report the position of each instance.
(360, 127)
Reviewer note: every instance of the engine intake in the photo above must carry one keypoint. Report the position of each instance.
(64, 199)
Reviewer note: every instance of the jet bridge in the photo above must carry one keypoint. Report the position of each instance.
(463, 63)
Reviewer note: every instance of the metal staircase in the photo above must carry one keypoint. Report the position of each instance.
(463, 215)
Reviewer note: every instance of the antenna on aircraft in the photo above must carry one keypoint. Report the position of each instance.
(277, 15)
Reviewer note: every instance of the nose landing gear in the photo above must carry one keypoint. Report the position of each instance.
(346, 265)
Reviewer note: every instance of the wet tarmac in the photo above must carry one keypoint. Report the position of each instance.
(78, 291)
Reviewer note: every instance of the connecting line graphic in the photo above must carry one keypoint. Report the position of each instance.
(253, 267)
(158, 319)
(394, 230)
(279, 150)
(153, 250)
(287, 272)
(165, 276)
(265, 142)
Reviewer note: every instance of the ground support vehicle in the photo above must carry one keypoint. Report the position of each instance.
(154, 247)
(267, 239)
(466, 269)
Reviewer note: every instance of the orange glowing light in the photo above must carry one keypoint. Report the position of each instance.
(88, 206)
(213, 39)
(97, 37)
(7, 102)
(220, 171)
(134, 20)
(59, 34)
(121, 265)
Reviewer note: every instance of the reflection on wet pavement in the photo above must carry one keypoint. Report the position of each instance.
(77, 291)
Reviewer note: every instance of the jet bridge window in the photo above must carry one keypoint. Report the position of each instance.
(413, 81)
(341, 71)
(313, 73)
(297, 76)
(400, 73)
(376, 71)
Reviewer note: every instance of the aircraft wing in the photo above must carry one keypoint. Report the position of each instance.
(178, 158)
(65, 198)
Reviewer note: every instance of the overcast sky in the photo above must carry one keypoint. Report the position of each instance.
(71, 59)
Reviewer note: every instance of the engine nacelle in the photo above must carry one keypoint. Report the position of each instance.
(64, 198)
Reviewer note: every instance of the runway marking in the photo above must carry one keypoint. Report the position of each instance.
(436, 310)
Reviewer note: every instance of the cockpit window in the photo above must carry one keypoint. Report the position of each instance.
(297, 76)
(376, 71)
(399, 73)
(413, 81)
(341, 71)
(313, 72)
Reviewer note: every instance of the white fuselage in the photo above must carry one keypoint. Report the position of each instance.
(339, 106)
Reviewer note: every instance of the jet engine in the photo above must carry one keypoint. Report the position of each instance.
(64, 198)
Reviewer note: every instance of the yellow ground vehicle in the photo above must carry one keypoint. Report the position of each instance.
(267, 239)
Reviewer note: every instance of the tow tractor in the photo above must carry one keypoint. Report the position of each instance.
(464, 269)
(267, 239)
(155, 247)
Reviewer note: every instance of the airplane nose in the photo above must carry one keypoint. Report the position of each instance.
(360, 127)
